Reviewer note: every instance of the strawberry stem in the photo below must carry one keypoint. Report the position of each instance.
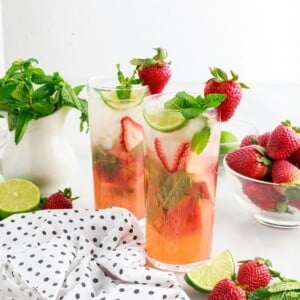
(220, 75)
(159, 59)
(67, 192)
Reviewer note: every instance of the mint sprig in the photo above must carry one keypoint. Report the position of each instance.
(125, 83)
(191, 107)
(27, 93)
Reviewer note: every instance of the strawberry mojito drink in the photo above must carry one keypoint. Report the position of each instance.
(181, 162)
(116, 137)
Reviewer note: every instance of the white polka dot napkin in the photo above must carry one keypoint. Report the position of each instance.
(79, 254)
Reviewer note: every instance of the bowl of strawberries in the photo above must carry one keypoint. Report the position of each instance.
(264, 174)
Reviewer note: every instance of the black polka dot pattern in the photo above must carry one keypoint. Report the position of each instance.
(79, 254)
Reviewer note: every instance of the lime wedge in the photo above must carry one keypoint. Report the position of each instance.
(165, 121)
(18, 195)
(228, 142)
(110, 98)
(204, 277)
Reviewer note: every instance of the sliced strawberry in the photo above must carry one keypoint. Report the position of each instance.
(200, 190)
(131, 134)
(183, 218)
(171, 154)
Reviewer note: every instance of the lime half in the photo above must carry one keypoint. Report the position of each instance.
(18, 195)
(165, 121)
(111, 98)
(204, 277)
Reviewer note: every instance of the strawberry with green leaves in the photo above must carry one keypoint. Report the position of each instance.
(154, 72)
(283, 141)
(59, 200)
(254, 274)
(220, 83)
(250, 161)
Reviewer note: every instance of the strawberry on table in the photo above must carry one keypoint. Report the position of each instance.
(154, 72)
(283, 141)
(60, 200)
(220, 83)
(254, 274)
(250, 161)
(227, 289)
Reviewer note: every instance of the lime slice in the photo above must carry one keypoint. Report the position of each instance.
(18, 195)
(165, 121)
(110, 98)
(204, 277)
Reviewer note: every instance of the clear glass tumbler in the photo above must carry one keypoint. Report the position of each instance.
(180, 184)
(116, 134)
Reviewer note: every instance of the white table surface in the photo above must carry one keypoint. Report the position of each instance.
(235, 228)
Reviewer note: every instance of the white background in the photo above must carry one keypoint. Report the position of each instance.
(257, 38)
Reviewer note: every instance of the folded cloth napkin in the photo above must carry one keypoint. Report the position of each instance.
(79, 254)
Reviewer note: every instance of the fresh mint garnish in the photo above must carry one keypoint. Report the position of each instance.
(200, 140)
(191, 107)
(125, 83)
(27, 93)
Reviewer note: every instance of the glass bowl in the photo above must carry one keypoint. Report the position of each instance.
(272, 204)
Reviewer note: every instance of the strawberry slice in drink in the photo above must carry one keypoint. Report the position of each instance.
(183, 218)
(171, 153)
(131, 134)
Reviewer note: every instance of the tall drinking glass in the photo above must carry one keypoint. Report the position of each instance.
(116, 135)
(181, 164)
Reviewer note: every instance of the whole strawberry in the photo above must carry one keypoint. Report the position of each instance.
(154, 72)
(283, 141)
(250, 161)
(221, 84)
(254, 274)
(227, 289)
(249, 139)
(295, 158)
(262, 195)
(263, 139)
(285, 172)
(60, 200)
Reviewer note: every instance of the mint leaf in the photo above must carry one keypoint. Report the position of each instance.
(200, 140)
(21, 125)
(191, 107)
(172, 187)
